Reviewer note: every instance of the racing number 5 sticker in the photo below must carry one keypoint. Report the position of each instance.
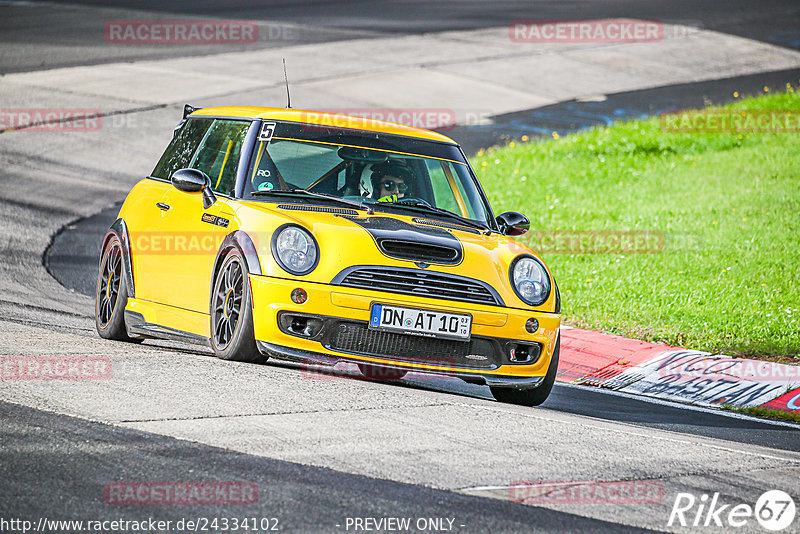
(267, 130)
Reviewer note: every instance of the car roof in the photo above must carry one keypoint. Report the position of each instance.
(322, 118)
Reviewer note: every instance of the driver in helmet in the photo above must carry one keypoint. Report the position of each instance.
(390, 181)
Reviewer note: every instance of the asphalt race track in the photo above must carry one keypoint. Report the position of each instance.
(322, 450)
(302, 498)
(773, 21)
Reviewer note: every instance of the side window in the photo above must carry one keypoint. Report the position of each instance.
(449, 191)
(182, 147)
(470, 200)
(442, 192)
(219, 153)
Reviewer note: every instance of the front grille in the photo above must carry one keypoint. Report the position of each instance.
(357, 338)
(296, 207)
(416, 251)
(419, 283)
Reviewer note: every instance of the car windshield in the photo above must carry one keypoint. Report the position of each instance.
(387, 172)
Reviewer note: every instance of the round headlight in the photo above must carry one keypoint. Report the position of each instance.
(530, 280)
(295, 250)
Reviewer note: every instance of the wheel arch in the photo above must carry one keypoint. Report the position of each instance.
(119, 230)
(241, 241)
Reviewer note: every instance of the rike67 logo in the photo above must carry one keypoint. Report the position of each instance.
(774, 510)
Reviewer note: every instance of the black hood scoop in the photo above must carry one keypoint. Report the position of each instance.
(404, 241)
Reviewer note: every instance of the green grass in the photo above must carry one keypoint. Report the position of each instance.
(728, 206)
(769, 413)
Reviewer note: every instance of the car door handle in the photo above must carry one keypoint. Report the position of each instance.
(163, 206)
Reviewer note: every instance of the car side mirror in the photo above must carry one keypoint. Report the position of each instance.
(513, 223)
(194, 181)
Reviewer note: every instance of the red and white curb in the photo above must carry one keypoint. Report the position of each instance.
(673, 373)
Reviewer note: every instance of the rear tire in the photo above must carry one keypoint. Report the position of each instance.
(111, 295)
(374, 372)
(537, 395)
(231, 311)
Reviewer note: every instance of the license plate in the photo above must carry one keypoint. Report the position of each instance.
(421, 322)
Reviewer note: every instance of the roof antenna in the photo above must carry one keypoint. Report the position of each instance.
(288, 98)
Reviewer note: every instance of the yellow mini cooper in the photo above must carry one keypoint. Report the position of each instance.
(321, 238)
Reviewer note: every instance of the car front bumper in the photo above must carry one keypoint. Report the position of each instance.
(332, 327)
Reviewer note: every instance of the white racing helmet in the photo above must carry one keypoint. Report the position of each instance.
(372, 174)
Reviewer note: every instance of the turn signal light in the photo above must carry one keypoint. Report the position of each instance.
(532, 325)
(299, 296)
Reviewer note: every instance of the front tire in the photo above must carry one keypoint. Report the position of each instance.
(111, 295)
(232, 335)
(537, 395)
